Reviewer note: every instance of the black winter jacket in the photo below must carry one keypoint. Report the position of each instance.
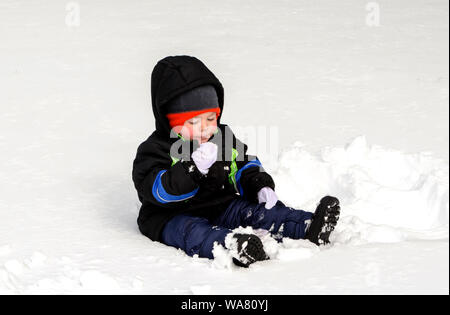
(166, 179)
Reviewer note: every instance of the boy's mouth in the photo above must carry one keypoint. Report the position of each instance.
(201, 140)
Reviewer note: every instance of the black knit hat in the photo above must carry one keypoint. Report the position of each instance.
(199, 98)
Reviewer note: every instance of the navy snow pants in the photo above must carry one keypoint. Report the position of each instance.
(196, 236)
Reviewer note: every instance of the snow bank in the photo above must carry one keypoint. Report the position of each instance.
(375, 185)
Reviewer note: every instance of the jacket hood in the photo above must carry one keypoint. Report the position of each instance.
(173, 76)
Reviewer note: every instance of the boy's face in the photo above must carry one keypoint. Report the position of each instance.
(200, 127)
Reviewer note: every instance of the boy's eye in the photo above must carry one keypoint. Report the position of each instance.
(211, 119)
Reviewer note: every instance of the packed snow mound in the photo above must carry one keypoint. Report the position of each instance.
(376, 186)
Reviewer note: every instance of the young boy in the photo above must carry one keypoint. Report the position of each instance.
(196, 181)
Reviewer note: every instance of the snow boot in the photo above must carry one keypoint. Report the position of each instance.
(249, 248)
(324, 221)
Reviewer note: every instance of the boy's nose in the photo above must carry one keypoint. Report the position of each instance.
(204, 126)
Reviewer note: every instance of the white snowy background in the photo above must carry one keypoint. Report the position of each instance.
(361, 109)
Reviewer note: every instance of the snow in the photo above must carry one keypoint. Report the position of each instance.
(361, 112)
(379, 186)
